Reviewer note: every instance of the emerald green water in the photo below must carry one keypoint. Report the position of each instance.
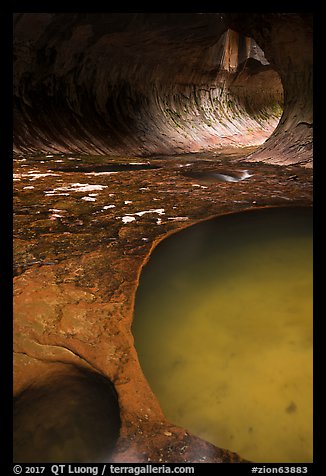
(223, 330)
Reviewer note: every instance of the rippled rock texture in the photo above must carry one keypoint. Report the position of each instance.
(287, 43)
(162, 83)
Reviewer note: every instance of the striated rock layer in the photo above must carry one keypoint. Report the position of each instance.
(148, 84)
(287, 43)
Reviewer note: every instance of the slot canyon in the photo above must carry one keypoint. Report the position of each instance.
(131, 132)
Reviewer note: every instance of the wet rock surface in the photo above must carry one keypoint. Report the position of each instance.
(80, 241)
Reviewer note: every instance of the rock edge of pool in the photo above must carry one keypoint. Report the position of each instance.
(80, 242)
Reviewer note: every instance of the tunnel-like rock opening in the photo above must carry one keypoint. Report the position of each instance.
(163, 83)
(67, 417)
(286, 39)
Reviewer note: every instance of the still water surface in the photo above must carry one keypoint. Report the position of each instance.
(223, 330)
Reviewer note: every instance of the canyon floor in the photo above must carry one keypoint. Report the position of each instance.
(83, 231)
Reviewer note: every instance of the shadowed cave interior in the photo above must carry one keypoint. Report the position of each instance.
(167, 82)
(130, 127)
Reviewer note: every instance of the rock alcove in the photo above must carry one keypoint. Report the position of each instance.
(223, 92)
(68, 415)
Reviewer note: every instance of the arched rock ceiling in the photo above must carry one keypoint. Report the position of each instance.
(145, 84)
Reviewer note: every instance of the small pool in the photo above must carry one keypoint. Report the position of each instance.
(107, 168)
(223, 331)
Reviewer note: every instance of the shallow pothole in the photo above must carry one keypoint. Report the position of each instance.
(219, 175)
(69, 417)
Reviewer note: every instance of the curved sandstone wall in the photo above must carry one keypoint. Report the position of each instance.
(286, 39)
(140, 84)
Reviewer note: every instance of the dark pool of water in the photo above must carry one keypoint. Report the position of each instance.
(107, 168)
(219, 175)
(223, 331)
